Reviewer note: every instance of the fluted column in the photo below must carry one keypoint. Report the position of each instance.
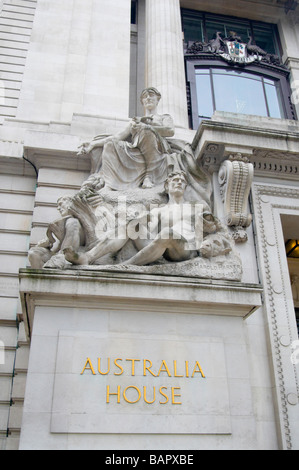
(165, 57)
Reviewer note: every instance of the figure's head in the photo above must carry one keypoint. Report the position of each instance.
(150, 98)
(63, 205)
(176, 182)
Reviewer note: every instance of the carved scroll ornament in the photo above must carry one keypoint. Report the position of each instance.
(235, 179)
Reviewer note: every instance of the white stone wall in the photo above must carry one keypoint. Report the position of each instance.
(17, 18)
(52, 184)
(75, 66)
(16, 209)
(78, 60)
(126, 316)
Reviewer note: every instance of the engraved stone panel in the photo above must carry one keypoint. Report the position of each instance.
(168, 385)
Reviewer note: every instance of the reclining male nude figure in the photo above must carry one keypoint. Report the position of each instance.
(176, 240)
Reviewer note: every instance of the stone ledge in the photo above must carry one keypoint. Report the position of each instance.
(228, 133)
(123, 290)
(55, 145)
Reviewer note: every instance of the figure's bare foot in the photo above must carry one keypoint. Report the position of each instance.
(75, 258)
(147, 183)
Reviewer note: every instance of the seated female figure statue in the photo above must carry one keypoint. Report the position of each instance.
(137, 156)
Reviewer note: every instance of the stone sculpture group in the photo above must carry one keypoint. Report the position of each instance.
(147, 203)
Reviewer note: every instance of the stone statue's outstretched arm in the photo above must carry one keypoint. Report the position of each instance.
(87, 147)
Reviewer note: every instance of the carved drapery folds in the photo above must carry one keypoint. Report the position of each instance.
(235, 178)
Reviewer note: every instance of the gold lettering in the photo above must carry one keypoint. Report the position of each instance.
(197, 365)
(187, 368)
(145, 368)
(109, 393)
(120, 367)
(88, 368)
(99, 367)
(144, 394)
(164, 370)
(133, 364)
(165, 396)
(135, 388)
(175, 371)
(174, 395)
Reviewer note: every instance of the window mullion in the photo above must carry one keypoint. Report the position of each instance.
(265, 95)
(252, 30)
(212, 89)
(204, 27)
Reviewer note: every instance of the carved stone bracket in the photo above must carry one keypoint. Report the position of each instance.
(235, 178)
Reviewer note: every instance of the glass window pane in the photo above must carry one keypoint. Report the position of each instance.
(237, 94)
(202, 71)
(264, 33)
(236, 73)
(133, 12)
(242, 32)
(212, 27)
(227, 28)
(193, 29)
(274, 101)
(269, 81)
(265, 38)
(204, 95)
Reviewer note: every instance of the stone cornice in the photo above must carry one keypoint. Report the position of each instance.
(272, 146)
(73, 286)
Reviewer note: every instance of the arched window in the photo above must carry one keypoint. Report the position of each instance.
(234, 65)
(235, 90)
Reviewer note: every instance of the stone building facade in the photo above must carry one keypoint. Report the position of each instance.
(71, 70)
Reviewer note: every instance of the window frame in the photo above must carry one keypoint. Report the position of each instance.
(134, 12)
(297, 318)
(252, 24)
(192, 63)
